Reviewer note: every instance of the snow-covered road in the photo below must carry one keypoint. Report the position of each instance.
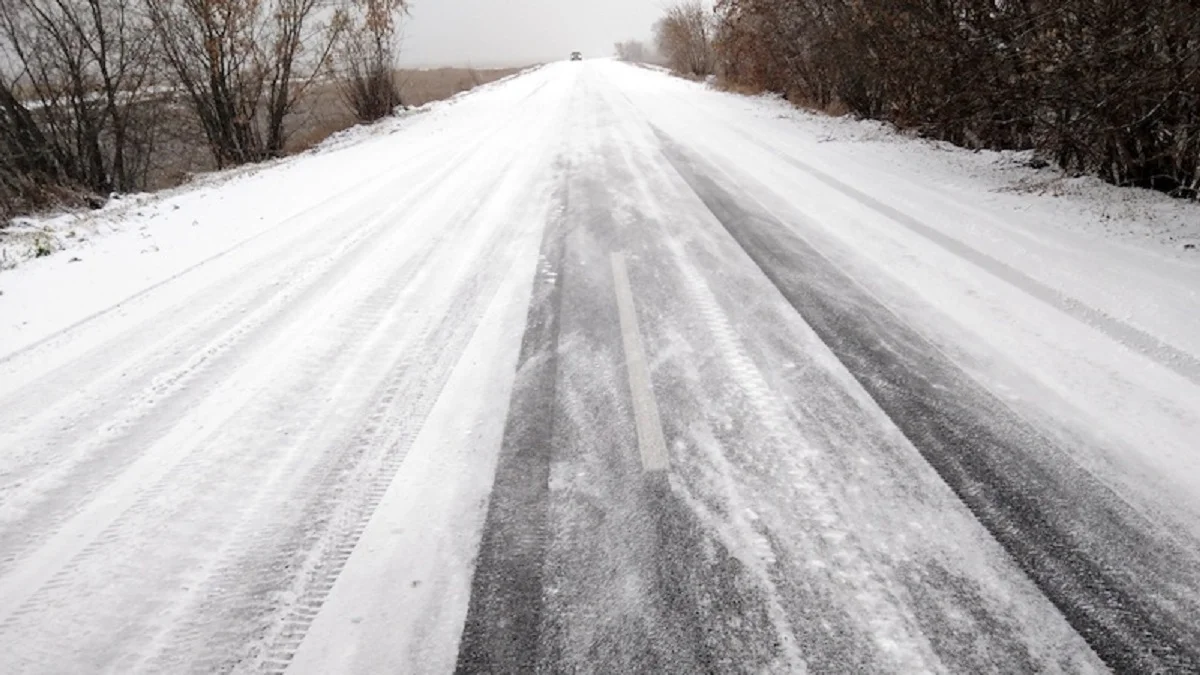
(597, 370)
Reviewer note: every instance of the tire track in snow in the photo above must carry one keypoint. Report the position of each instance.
(196, 464)
(1179, 361)
(79, 479)
(455, 154)
(504, 616)
(349, 195)
(349, 489)
(106, 365)
(352, 489)
(380, 323)
(14, 581)
(77, 476)
(116, 533)
(1119, 584)
(76, 479)
(538, 609)
(907, 650)
(752, 460)
(392, 427)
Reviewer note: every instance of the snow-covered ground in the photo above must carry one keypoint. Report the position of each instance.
(137, 241)
(1111, 341)
(325, 413)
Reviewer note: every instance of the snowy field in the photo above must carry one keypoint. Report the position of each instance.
(393, 405)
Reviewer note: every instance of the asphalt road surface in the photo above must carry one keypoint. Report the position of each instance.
(567, 390)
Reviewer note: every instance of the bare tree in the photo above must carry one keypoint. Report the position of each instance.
(27, 163)
(243, 64)
(69, 105)
(684, 36)
(103, 95)
(633, 51)
(368, 58)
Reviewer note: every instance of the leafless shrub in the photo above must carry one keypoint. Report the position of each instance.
(368, 56)
(243, 64)
(632, 51)
(104, 95)
(73, 89)
(122, 95)
(684, 36)
(1110, 88)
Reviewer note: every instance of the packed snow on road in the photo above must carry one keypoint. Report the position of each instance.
(598, 369)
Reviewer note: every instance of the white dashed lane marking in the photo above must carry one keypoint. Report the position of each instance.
(652, 447)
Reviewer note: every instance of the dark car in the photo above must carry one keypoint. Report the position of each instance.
(576, 56)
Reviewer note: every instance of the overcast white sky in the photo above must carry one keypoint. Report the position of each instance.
(519, 32)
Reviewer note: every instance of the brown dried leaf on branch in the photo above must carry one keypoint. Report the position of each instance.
(1111, 89)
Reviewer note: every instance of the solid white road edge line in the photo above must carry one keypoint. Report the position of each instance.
(651, 445)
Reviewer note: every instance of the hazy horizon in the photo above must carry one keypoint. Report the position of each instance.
(497, 33)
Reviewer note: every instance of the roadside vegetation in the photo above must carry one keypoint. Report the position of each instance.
(633, 51)
(119, 96)
(684, 36)
(1104, 88)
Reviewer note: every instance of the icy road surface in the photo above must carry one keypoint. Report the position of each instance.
(596, 370)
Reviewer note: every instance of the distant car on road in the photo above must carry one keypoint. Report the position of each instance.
(576, 56)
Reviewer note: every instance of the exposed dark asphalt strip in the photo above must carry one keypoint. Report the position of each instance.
(618, 575)
(715, 606)
(505, 612)
(1128, 593)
